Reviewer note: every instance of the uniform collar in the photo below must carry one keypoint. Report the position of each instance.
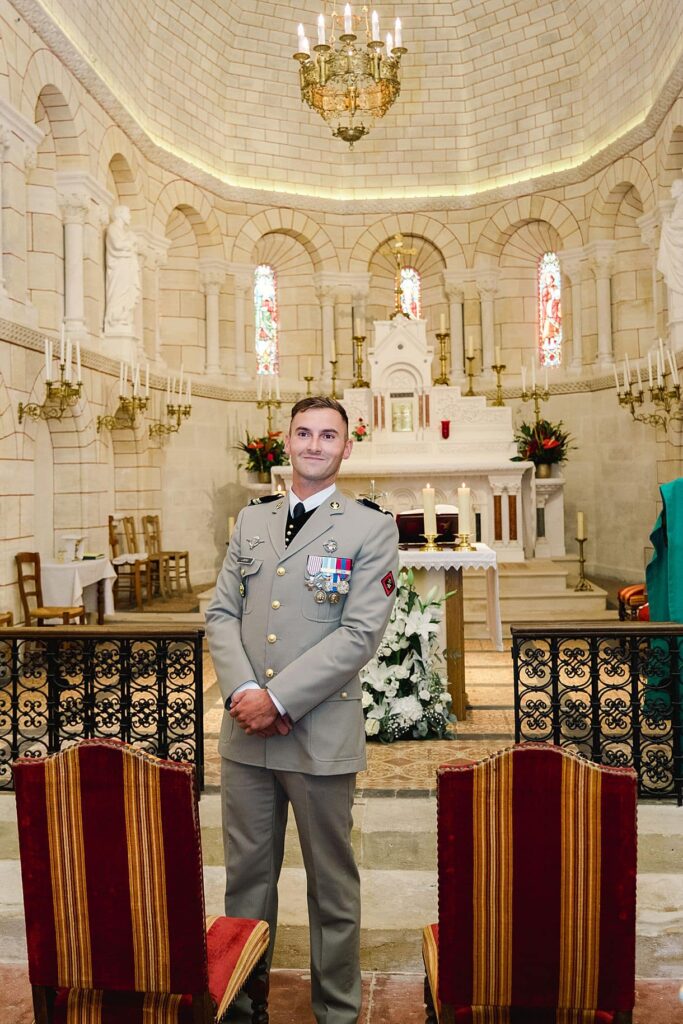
(314, 501)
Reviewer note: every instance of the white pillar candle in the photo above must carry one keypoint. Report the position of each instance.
(67, 361)
(442, 323)
(173, 384)
(429, 510)
(649, 367)
(628, 371)
(464, 510)
(47, 359)
(580, 526)
(147, 380)
(389, 42)
(348, 20)
(79, 377)
(660, 368)
(640, 380)
(305, 45)
(616, 379)
(375, 26)
(398, 32)
(321, 30)
(300, 35)
(470, 347)
(671, 366)
(62, 344)
(524, 379)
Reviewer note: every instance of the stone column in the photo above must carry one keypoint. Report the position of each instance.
(601, 258)
(326, 295)
(74, 208)
(211, 277)
(5, 142)
(456, 296)
(487, 283)
(571, 267)
(154, 250)
(243, 283)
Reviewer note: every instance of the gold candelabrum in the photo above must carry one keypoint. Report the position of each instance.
(498, 370)
(470, 376)
(309, 381)
(333, 392)
(125, 417)
(536, 395)
(464, 543)
(431, 544)
(665, 397)
(348, 84)
(443, 377)
(59, 396)
(176, 412)
(269, 404)
(583, 583)
(359, 382)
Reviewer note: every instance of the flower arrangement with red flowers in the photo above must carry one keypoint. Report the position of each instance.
(263, 452)
(360, 431)
(542, 443)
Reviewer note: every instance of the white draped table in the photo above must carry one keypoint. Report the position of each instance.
(452, 563)
(88, 582)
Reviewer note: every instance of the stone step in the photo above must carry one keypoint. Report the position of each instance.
(522, 579)
(475, 628)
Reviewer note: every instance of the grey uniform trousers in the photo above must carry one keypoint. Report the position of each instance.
(255, 803)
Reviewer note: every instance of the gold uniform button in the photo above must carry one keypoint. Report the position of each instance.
(280, 570)
(271, 638)
(270, 673)
(343, 694)
(275, 604)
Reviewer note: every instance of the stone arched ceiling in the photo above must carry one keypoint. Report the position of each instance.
(495, 92)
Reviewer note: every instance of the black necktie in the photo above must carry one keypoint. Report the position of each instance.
(299, 510)
(295, 520)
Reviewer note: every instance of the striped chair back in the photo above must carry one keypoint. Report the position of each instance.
(112, 870)
(537, 877)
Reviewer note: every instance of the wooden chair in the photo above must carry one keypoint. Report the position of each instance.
(111, 864)
(30, 589)
(630, 599)
(130, 576)
(537, 891)
(6, 619)
(158, 563)
(179, 561)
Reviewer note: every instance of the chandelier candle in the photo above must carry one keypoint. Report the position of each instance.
(580, 526)
(464, 510)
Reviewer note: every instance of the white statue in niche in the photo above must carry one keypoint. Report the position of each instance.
(670, 257)
(123, 274)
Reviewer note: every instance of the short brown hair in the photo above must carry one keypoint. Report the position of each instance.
(320, 402)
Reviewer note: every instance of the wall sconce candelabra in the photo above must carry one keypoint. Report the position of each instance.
(333, 364)
(61, 394)
(664, 390)
(176, 409)
(125, 417)
(269, 404)
(498, 368)
(443, 337)
(359, 382)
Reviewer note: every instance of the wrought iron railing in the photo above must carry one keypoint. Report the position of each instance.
(611, 692)
(140, 684)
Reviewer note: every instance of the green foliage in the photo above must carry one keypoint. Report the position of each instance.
(263, 452)
(542, 443)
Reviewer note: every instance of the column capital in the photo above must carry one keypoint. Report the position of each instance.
(26, 131)
(212, 275)
(74, 207)
(486, 279)
(650, 224)
(153, 248)
(572, 262)
(600, 256)
(357, 284)
(70, 182)
(242, 274)
(454, 282)
(325, 294)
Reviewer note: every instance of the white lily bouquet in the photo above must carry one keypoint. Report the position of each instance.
(404, 696)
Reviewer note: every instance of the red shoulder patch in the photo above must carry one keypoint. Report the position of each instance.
(388, 583)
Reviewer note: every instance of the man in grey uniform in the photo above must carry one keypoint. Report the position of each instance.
(301, 604)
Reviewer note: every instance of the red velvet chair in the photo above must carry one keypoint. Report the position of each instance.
(537, 892)
(111, 868)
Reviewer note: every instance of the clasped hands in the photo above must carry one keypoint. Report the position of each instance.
(254, 711)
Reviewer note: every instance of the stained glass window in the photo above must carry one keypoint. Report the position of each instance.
(265, 320)
(411, 297)
(549, 310)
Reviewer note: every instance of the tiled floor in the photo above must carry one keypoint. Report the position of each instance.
(387, 999)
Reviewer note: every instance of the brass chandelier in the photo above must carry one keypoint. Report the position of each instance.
(349, 85)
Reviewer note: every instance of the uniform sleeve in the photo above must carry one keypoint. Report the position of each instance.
(224, 622)
(328, 665)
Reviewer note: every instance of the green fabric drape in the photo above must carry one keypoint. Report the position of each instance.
(664, 576)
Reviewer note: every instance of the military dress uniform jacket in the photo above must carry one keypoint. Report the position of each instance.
(265, 624)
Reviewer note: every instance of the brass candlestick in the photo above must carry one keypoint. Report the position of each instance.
(359, 382)
(662, 395)
(470, 376)
(309, 381)
(125, 416)
(463, 543)
(431, 544)
(443, 377)
(176, 414)
(333, 364)
(498, 369)
(59, 396)
(536, 395)
(269, 404)
(583, 583)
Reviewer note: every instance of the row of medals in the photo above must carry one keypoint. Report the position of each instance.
(323, 585)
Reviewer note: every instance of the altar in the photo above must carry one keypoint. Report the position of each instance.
(422, 433)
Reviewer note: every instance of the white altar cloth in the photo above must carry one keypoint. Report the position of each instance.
(484, 558)
(74, 583)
